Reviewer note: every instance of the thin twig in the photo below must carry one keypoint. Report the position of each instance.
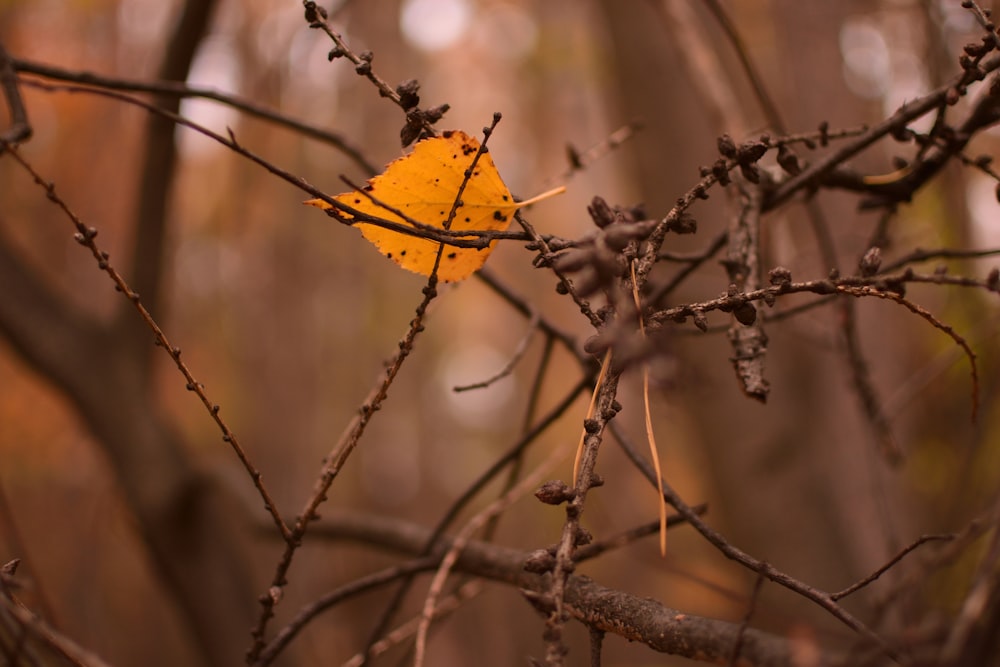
(920, 541)
(595, 549)
(14, 543)
(408, 629)
(738, 644)
(335, 460)
(864, 388)
(580, 160)
(908, 112)
(543, 246)
(356, 587)
(976, 607)
(706, 74)
(750, 70)
(20, 127)
(449, 516)
(629, 616)
(522, 488)
(475, 238)
(732, 552)
(332, 465)
(935, 322)
(921, 255)
(85, 236)
(523, 306)
(694, 263)
(33, 626)
(585, 479)
(509, 367)
(180, 89)
(596, 646)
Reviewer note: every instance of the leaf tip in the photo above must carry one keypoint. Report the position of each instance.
(318, 203)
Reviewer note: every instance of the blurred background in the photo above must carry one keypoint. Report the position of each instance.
(287, 316)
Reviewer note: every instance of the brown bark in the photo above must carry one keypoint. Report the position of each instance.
(632, 617)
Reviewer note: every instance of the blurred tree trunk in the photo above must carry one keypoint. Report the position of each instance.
(192, 530)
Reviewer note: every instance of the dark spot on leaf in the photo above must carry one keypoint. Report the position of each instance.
(402, 254)
(389, 255)
(451, 255)
(506, 198)
(357, 201)
(468, 219)
(497, 215)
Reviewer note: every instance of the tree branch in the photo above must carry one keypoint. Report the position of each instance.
(20, 128)
(631, 617)
(182, 90)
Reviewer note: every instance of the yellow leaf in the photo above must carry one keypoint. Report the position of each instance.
(423, 186)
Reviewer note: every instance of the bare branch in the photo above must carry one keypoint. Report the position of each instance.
(637, 619)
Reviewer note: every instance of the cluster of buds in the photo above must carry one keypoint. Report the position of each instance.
(603, 259)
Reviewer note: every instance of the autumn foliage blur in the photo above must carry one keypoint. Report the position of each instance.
(130, 527)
